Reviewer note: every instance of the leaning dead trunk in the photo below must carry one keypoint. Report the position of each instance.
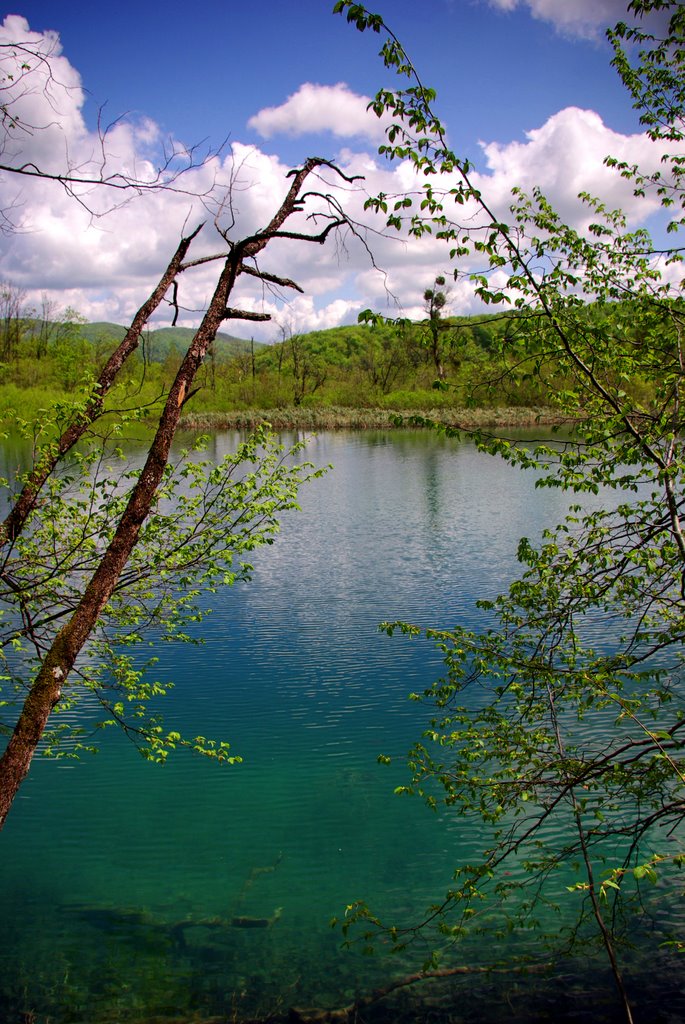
(26, 500)
(60, 659)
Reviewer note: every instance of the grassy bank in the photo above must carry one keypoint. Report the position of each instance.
(338, 418)
(30, 403)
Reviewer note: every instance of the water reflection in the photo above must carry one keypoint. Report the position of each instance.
(104, 921)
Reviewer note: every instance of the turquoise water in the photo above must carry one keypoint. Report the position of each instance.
(118, 877)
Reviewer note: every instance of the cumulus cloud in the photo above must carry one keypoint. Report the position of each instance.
(577, 17)
(565, 156)
(320, 108)
(105, 263)
(100, 251)
(42, 94)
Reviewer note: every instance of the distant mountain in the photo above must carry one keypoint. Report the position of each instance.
(97, 331)
(165, 341)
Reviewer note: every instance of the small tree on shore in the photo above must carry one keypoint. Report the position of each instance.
(436, 299)
(307, 372)
(13, 313)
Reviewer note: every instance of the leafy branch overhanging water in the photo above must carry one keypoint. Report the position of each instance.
(533, 726)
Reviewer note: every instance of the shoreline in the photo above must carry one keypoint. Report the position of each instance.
(339, 418)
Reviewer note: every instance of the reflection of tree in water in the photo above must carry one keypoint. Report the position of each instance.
(432, 489)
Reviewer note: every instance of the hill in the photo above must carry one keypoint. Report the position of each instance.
(443, 364)
(164, 342)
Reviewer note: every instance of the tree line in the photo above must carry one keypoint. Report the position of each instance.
(441, 361)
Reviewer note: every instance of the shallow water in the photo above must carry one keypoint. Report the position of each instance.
(104, 862)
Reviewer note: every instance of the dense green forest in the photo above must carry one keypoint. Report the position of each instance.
(440, 363)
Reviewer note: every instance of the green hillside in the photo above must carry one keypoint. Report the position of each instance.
(439, 364)
(162, 342)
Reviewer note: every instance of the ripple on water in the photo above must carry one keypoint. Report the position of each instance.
(294, 672)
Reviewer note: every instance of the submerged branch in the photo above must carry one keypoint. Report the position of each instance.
(349, 1014)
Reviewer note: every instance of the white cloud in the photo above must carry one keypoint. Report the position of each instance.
(577, 17)
(42, 93)
(301, 315)
(105, 265)
(320, 108)
(565, 156)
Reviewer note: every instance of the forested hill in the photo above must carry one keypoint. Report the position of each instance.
(163, 342)
(438, 363)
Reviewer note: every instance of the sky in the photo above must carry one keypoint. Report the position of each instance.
(524, 88)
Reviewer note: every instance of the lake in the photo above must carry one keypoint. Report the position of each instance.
(118, 877)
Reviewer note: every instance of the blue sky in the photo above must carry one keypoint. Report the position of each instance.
(525, 88)
(202, 70)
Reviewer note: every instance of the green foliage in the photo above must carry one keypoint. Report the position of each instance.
(379, 364)
(569, 751)
(208, 519)
(362, 366)
(656, 81)
(355, 367)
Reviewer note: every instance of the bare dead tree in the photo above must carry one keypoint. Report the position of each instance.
(28, 69)
(26, 500)
(12, 314)
(61, 657)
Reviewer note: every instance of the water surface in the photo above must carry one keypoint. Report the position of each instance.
(103, 862)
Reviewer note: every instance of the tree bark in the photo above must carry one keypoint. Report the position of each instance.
(26, 500)
(67, 645)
